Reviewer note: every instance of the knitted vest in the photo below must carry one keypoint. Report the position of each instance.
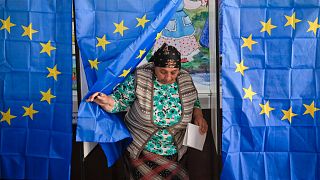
(139, 118)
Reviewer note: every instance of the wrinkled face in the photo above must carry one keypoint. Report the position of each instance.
(166, 75)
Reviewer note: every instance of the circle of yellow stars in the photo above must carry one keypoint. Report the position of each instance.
(248, 42)
(121, 28)
(28, 31)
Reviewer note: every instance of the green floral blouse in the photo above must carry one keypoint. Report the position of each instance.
(166, 112)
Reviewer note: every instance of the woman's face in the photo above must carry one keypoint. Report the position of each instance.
(166, 75)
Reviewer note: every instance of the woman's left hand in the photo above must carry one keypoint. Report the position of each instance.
(200, 121)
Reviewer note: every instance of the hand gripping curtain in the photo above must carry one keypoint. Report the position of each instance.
(113, 37)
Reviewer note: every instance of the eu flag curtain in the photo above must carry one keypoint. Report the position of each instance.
(35, 89)
(271, 89)
(113, 37)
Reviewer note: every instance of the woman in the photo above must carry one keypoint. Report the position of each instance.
(161, 100)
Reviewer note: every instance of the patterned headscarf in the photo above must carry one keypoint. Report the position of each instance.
(167, 56)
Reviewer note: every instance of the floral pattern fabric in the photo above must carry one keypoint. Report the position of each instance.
(166, 112)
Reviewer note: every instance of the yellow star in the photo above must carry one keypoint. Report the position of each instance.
(313, 26)
(291, 20)
(29, 111)
(47, 48)
(142, 21)
(288, 115)
(53, 72)
(6, 24)
(267, 26)
(159, 35)
(47, 96)
(265, 109)
(28, 31)
(120, 28)
(249, 93)
(248, 42)
(125, 73)
(102, 42)
(241, 68)
(310, 109)
(7, 116)
(94, 63)
(141, 53)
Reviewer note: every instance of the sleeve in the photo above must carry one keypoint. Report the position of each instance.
(197, 104)
(124, 95)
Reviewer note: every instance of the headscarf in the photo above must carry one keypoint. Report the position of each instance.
(167, 56)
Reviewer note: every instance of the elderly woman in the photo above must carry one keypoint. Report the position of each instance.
(161, 100)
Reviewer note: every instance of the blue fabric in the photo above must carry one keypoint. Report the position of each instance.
(284, 70)
(96, 19)
(204, 38)
(38, 145)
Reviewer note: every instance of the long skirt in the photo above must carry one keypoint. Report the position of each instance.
(152, 166)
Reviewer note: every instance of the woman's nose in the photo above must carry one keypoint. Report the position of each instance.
(167, 78)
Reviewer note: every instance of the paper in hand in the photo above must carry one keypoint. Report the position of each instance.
(193, 138)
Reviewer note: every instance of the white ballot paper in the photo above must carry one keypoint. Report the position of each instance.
(193, 138)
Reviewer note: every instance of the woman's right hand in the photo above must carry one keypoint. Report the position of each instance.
(106, 102)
